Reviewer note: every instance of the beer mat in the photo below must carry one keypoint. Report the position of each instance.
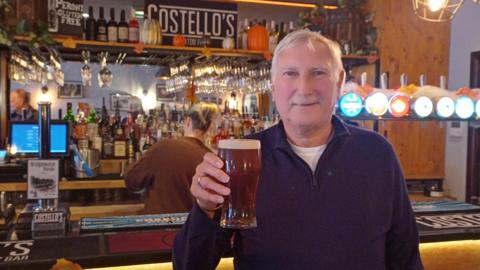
(443, 206)
(140, 241)
(132, 222)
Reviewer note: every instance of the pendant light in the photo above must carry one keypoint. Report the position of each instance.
(437, 10)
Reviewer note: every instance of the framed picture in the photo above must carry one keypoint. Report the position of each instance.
(120, 100)
(162, 93)
(71, 90)
(475, 70)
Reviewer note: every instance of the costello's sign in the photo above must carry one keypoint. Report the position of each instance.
(195, 20)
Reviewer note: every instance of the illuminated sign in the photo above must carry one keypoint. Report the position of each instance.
(376, 104)
(399, 105)
(464, 107)
(445, 107)
(423, 106)
(351, 104)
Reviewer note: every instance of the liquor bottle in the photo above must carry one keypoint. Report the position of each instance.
(112, 27)
(107, 145)
(81, 131)
(291, 27)
(101, 27)
(69, 116)
(272, 37)
(147, 144)
(122, 28)
(92, 128)
(131, 151)
(244, 35)
(281, 33)
(133, 28)
(52, 16)
(104, 117)
(91, 28)
(144, 32)
(119, 144)
(285, 29)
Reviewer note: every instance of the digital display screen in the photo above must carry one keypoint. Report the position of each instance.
(24, 136)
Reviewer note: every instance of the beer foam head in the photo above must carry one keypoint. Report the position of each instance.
(239, 144)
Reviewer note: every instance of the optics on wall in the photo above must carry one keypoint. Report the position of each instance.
(423, 106)
(445, 107)
(464, 107)
(376, 104)
(436, 10)
(399, 105)
(350, 104)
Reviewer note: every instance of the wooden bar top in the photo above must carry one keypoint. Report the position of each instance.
(70, 185)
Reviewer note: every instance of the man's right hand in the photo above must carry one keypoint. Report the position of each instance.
(208, 184)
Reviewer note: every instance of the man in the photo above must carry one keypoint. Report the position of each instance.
(20, 106)
(331, 196)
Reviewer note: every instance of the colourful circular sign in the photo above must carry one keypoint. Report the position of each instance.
(351, 104)
(399, 105)
(445, 107)
(376, 104)
(423, 106)
(464, 107)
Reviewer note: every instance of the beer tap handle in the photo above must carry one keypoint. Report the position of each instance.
(363, 79)
(423, 80)
(384, 81)
(443, 82)
(403, 79)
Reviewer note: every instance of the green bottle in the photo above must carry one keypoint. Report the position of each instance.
(69, 116)
(92, 117)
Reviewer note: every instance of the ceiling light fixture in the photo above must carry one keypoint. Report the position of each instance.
(437, 10)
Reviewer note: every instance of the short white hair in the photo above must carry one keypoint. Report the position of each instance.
(309, 37)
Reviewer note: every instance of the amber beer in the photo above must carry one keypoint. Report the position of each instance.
(243, 164)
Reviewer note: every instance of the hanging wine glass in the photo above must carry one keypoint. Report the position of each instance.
(86, 71)
(105, 76)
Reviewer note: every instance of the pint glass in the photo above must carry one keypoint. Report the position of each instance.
(242, 159)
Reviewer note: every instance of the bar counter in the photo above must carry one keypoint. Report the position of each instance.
(451, 242)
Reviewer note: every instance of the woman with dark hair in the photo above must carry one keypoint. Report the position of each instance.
(165, 171)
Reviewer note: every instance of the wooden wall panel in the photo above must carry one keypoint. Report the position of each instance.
(412, 46)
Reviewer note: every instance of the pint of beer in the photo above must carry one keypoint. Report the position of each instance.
(242, 160)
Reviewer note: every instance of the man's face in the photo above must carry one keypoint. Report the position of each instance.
(16, 102)
(305, 89)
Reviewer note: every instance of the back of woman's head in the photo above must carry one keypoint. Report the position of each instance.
(202, 115)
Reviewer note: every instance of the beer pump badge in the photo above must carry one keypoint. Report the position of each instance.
(464, 107)
(351, 104)
(445, 107)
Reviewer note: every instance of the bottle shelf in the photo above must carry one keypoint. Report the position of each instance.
(138, 53)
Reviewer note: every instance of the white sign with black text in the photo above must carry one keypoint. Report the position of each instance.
(43, 176)
(194, 19)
